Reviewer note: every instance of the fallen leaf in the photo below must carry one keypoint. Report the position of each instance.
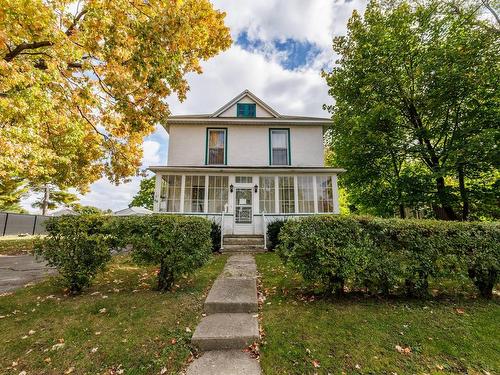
(31, 332)
(460, 311)
(173, 341)
(440, 367)
(188, 329)
(58, 346)
(315, 363)
(103, 310)
(93, 350)
(406, 350)
(70, 370)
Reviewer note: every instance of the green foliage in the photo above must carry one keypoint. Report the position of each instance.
(390, 255)
(178, 244)
(11, 192)
(86, 210)
(145, 195)
(416, 109)
(215, 234)
(273, 231)
(78, 246)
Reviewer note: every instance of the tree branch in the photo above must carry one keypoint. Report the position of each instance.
(24, 46)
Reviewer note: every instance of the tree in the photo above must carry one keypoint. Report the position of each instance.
(86, 210)
(416, 104)
(11, 192)
(82, 83)
(52, 198)
(145, 195)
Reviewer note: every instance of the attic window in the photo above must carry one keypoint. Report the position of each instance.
(245, 110)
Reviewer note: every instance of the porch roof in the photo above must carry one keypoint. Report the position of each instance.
(244, 169)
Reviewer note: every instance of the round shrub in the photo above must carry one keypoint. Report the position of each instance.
(77, 246)
(273, 231)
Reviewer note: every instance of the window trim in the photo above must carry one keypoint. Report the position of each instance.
(271, 146)
(246, 104)
(225, 145)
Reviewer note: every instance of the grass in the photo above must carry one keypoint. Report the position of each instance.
(11, 245)
(307, 334)
(141, 331)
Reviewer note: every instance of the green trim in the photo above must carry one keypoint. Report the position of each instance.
(193, 213)
(289, 146)
(297, 214)
(225, 145)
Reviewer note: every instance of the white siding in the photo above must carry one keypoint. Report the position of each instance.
(247, 145)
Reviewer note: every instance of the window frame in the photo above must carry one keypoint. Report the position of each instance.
(248, 105)
(289, 154)
(207, 149)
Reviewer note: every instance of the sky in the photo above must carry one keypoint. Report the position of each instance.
(279, 50)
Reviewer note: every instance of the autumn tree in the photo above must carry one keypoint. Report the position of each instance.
(416, 105)
(83, 82)
(50, 198)
(145, 195)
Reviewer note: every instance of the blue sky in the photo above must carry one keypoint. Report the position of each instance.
(279, 49)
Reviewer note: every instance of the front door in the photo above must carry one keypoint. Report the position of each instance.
(243, 218)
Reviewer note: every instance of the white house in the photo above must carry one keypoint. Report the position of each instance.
(245, 165)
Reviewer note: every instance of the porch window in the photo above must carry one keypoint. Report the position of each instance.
(325, 194)
(194, 194)
(246, 110)
(286, 195)
(170, 193)
(266, 194)
(305, 190)
(216, 146)
(279, 146)
(243, 179)
(217, 193)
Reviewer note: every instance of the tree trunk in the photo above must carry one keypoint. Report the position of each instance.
(448, 212)
(165, 278)
(45, 203)
(402, 213)
(463, 193)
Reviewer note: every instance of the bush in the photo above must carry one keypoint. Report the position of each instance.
(78, 246)
(215, 233)
(273, 231)
(388, 255)
(178, 244)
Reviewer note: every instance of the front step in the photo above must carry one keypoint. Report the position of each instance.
(226, 331)
(244, 240)
(232, 295)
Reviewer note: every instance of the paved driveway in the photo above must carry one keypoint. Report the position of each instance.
(19, 270)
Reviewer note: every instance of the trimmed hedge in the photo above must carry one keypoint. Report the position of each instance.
(80, 246)
(273, 231)
(178, 244)
(389, 255)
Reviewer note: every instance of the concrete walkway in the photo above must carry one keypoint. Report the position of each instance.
(231, 323)
(19, 270)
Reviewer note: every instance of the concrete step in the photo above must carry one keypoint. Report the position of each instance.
(232, 295)
(242, 247)
(244, 241)
(226, 331)
(224, 362)
(243, 235)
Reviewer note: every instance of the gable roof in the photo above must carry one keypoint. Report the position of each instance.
(274, 119)
(237, 98)
(139, 211)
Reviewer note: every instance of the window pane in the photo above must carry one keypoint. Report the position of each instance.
(279, 146)
(266, 194)
(217, 193)
(194, 194)
(246, 110)
(325, 194)
(305, 191)
(286, 195)
(244, 179)
(170, 194)
(216, 146)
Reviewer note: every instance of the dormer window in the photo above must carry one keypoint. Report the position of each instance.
(245, 110)
(216, 147)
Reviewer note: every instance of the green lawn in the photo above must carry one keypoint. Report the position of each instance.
(118, 324)
(13, 245)
(359, 335)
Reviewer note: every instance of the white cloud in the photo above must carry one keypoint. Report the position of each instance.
(302, 91)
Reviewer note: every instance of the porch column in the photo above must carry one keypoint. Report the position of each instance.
(336, 208)
(315, 194)
(205, 203)
(183, 183)
(295, 194)
(276, 195)
(157, 194)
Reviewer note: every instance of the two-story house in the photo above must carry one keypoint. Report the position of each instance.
(244, 165)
